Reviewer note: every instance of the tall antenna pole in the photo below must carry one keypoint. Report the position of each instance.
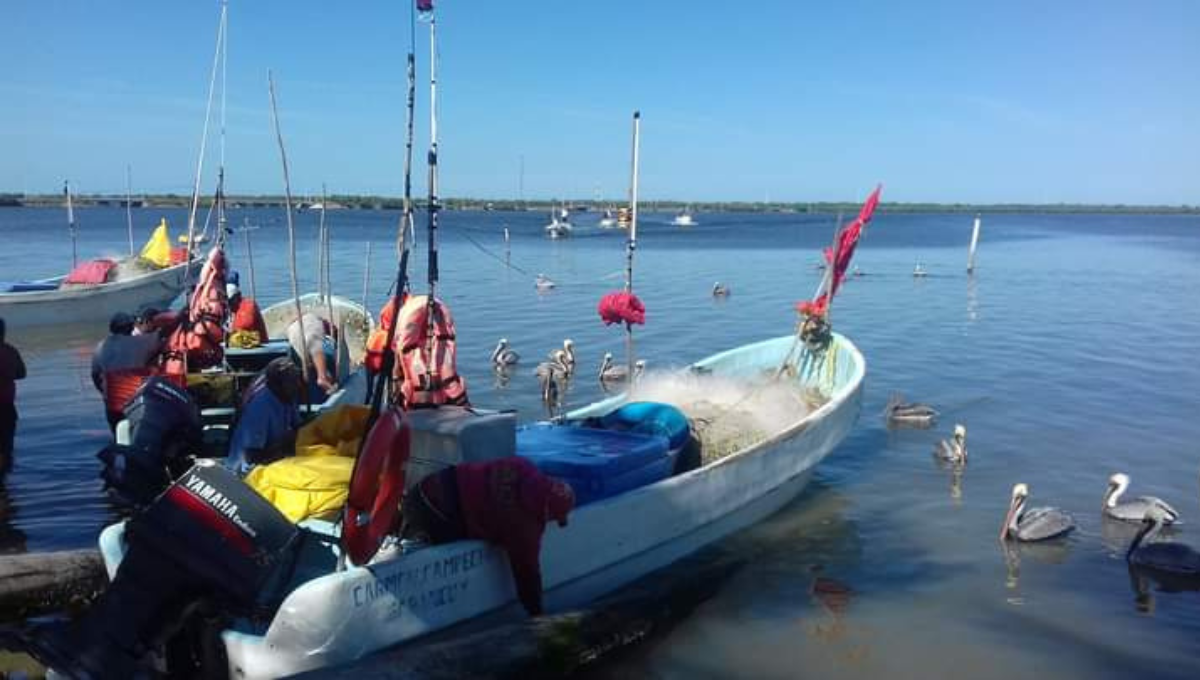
(631, 243)
(129, 205)
(287, 205)
(433, 164)
(221, 169)
(212, 83)
(71, 224)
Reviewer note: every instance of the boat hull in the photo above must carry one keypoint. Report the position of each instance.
(91, 304)
(339, 616)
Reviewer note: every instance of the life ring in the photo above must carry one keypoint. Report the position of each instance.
(376, 487)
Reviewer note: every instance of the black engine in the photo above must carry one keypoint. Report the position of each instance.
(206, 544)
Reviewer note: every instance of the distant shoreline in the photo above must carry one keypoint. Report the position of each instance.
(510, 205)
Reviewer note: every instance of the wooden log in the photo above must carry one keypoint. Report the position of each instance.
(557, 645)
(36, 583)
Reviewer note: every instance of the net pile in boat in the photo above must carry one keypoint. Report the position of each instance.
(729, 414)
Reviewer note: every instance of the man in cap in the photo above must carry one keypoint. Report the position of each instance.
(506, 501)
(270, 414)
(121, 353)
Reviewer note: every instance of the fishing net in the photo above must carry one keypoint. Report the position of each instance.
(728, 414)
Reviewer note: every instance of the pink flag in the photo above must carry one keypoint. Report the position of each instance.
(839, 257)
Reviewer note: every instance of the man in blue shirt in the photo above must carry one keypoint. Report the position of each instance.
(266, 426)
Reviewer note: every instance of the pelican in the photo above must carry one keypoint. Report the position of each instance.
(1169, 557)
(543, 282)
(1134, 509)
(899, 413)
(550, 374)
(564, 356)
(612, 372)
(720, 290)
(1036, 524)
(954, 449)
(503, 357)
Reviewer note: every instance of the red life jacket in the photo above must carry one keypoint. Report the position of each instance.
(429, 376)
(200, 338)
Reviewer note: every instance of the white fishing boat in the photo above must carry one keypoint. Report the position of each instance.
(560, 224)
(49, 302)
(331, 614)
(684, 218)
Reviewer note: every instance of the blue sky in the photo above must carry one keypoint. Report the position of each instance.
(1005, 102)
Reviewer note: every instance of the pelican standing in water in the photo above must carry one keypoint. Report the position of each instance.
(503, 357)
(1034, 524)
(720, 290)
(613, 372)
(550, 374)
(565, 356)
(902, 414)
(1176, 559)
(1134, 509)
(954, 449)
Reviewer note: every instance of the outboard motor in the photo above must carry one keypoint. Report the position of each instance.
(165, 434)
(209, 539)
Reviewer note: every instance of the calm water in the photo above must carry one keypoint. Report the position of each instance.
(1073, 353)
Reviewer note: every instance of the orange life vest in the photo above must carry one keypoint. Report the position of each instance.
(249, 318)
(429, 376)
(201, 337)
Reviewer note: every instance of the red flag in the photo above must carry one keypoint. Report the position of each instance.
(839, 257)
(425, 9)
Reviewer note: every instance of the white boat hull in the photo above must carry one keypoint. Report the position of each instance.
(337, 617)
(91, 304)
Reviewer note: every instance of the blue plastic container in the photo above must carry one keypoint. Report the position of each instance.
(596, 463)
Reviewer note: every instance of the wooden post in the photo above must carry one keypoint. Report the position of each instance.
(38, 583)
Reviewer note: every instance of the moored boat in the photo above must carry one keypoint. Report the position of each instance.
(49, 302)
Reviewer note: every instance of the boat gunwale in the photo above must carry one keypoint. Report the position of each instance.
(86, 290)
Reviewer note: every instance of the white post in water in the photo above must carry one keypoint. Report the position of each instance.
(631, 243)
(129, 206)
(367, 276)
(71, 224)
(974, 243)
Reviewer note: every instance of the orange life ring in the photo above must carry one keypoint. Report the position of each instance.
(376, 487)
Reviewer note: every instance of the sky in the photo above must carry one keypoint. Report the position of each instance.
(1020, 101)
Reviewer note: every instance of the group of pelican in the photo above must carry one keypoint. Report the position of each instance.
(1024, 524)
(559, 367)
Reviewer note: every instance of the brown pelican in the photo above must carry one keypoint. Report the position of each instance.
(954, 449)
(503, 357)
(1134, 509)
(1035, 524)
(898, 413)
(550, 374)
(1163, 557)
(565, 357)
(613, 372)
(720, 290)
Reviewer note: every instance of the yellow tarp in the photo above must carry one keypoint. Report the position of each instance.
(316, 481)
(158, 249)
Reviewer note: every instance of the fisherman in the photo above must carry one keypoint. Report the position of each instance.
(506, 501)
(270, 414)
(311, 332)
(118, 356)
(12, 369)
(144, 324)
(247, 328)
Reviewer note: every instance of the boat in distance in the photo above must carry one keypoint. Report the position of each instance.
(49, 304)
(330, 614)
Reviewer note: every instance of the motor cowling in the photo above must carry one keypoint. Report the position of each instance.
(209, 538)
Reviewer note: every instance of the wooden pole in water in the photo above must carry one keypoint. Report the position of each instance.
(366, 276)
(287, 206)
(631, 242)
(129, 206)
(71, 224)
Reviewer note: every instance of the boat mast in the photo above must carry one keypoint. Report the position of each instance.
(434, 206)
(71, 224)
(287, 206)
(212, 84)
(974, 243)
(221, 169)
(129, 206)
(631, 242)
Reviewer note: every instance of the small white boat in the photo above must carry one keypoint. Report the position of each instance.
(332, 614)
(608, 220)
(684, 218)
(560, 225)
(919, 272)
(46, 302)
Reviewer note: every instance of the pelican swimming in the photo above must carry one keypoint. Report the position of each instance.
(1134, 509)
(899, 413)
(1035, 524)
(543, 282)
(720, 290)
(550, 374)
(1170, 557)
(954, 449)
(564, 356)
(613, 372)
(503, 357)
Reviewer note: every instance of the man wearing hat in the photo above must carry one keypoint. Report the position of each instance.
(121, 353)
(507, 502)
